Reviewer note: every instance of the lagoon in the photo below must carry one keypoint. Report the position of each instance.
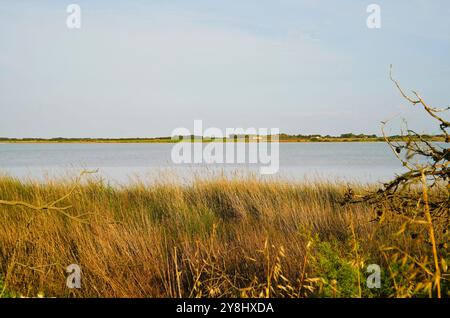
(121, 163)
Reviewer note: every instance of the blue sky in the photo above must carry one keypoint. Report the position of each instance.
(144, 68)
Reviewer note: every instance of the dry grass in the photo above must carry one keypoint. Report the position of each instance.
(215, 238)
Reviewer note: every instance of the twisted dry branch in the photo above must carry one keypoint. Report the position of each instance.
(52, 206)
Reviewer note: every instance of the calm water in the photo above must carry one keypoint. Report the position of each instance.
(363, 162)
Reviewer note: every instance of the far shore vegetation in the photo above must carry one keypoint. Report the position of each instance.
(347, 137)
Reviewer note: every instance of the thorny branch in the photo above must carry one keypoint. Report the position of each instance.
(419, 197)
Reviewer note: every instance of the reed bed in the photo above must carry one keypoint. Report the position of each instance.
(238, 237)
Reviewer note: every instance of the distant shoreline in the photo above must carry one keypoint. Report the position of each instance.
(205, 140)
(347, 137)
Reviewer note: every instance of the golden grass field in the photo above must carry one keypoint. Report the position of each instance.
(239, 237)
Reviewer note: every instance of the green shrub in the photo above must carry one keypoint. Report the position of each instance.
(339, 278)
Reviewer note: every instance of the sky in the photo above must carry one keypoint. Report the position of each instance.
(144, 68)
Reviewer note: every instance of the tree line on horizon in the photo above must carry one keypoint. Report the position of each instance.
(282, 136)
